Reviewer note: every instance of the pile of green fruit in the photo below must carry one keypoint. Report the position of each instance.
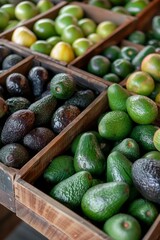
(67, 36)
(128, 7)
(34, 108)
(150, 37)
(14, 14)
(111, 175)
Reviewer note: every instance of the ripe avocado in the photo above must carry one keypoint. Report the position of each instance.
(38, 138)
(146, 178)
(14, 155)
(71, 190)
(17, 126)
(17, 103)
(11, 60)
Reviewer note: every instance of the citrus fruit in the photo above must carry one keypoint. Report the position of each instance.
(81, 45)
(156, 139)
(44, 28)
(136, 6)
(10, 9)
(64, 20)
(123, 227)
(115, 125)
(25, 10)
(111, 77)
(100, 3)
(138, 37)
(41, 46)
(150, 64)
(4, 19)
(152, 155)
(155, 91)
(128, 53)
(141, 83)
(87, 25)
(112, 52)
(94, 37)
(71, 33)
(54, 40)
(23, 36)
(74, 10)
(106, 28)
(62, 51)
(44, 5)
(98, 65)
(122, 67)
(141, 109)
(11, 24)
(120, 9)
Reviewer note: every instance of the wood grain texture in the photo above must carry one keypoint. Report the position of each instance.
(154, 231)
(55, 214)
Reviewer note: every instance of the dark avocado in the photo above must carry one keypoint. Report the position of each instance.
(14, 155)
(38, 76)
(17, 103)
(38, 138)
(11, 60)
(17, 126)
(146, 177)
(17, 85)
(63, 116)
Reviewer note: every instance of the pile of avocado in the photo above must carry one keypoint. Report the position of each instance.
(34, 108)
(110, 175)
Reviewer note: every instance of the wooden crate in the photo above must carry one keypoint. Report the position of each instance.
(126, 24)
(7, 174)
(79, 64)
(31, 201)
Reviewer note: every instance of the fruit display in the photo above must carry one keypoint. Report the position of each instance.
(14, 14)
(149, 37)
(25, 129)
(69, 34)
(110, 174)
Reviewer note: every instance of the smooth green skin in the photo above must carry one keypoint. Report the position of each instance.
(59, 169)
(112, 52)
(14, 155)
(71, 33)
(25, 10)
(137, 60)
(156, 139)
(143, 135)
(142, 109)
(10, 9)
(120, 9)
(152, 155)
(44, 28)
(115, 125)
(150, 64)
(71, 190)
(111, 77)
(129, 148)
(87, 25)
(17, 103)
(115, 227)
(47, 103)
(81, 45)
(106, 28)
(98, 65)
(137, 37)
(119, 168)
(117, 97)
(156, 27)
(136, 6)
(143, 210)
(11, 24)
(63, 21)
(128, 53)
(74, 10)
(104, 200)
(3, 107)
(44, 5)
(53, 40)
(140, 83)
(62, 86)
(4, 19)
(122, 67)
(41, 47)
(88, 155)
(100, 3)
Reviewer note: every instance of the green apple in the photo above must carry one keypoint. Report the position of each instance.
(94, 38)
(63, 21)
(81, 45)
(87, 25)
(74, 10)
(44, 5)
(71, 33)
(4, 19)
(106, 28)
(10, 9)
(44, 28)
(25, 10)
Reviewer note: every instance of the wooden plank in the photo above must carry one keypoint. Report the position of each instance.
(39, 224)
(56, 214)
(154, 231)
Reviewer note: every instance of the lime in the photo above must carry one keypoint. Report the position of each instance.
(64, 20)
(94, 37)
(41, 46)
(136, 6)
(71, 33)
(81, 45)
(44, 5)
(87, 25)
(122, 67)
(25, 10)
(98, 65)
(111, 77)
(10, 9)
(128, 53)
(54, 40)
(4, 19)
(44, 28)
(112, 52)
(106, 28)
(74, 10)
(137, 37)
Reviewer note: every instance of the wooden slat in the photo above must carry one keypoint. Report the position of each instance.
(56, 214)
(154, 231)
